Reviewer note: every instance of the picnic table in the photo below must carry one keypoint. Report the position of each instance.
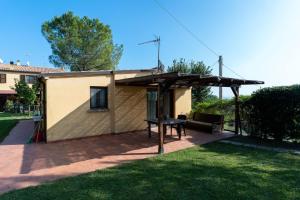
(167, 122)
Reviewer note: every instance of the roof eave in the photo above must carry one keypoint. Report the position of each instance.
(187, 80)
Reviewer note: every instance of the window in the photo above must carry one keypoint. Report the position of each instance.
(22, 78)
(98, 98)
(28, 78)
(2, 78)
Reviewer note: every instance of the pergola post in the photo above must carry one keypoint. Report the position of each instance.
(160, 97)
(162, 89)
(237, 123)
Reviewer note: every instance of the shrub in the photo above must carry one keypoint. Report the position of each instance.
(224, 107)
(9, 106)
(273, 113)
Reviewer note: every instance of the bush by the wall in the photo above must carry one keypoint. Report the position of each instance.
(9, 106)
(224, 107)
(273, 113)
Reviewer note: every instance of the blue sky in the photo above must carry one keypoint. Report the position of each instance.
(259, 39)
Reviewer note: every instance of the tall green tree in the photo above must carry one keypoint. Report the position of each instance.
(25, 93)
(81, 44)
(179, 66)
(199, 93)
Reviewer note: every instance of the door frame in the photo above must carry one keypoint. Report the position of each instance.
(172, 102)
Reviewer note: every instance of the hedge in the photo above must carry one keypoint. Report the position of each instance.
(273, 113)
(269, 113)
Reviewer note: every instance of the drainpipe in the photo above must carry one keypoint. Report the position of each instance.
(43, 103)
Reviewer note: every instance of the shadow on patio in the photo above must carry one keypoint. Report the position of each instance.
(73, 157)
(41, 156)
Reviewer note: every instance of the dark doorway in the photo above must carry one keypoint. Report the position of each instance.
(152, 104)
(2, 102)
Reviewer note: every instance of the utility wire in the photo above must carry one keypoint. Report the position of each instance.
(233, 71)
(214, 64)
(186, 28)
(193, 35)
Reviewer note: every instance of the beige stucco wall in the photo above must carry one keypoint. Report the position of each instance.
(68, 108)
(183, 101)
(10, 79)
(130, 108)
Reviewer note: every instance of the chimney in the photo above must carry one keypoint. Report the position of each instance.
(18, 62)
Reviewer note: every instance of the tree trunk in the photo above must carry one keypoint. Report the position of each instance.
(29, 110)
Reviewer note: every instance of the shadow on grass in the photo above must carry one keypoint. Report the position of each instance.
(258, 156)
(293, 145)
(215, 171)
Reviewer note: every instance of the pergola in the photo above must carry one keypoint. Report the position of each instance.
(165, 81)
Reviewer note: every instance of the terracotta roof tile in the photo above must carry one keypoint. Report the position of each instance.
(28, 69)
(8, 92)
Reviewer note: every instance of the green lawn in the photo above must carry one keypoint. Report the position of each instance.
(213, 171)
(8, 121)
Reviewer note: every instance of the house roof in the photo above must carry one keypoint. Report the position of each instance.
(28, 69)
(94, 73)
(176, 79)
(8, 92)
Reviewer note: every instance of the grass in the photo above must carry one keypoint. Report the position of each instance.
(214, 171)
(8, 121)
(266, 142)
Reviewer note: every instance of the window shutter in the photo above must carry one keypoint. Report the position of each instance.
(22, 78)
(2, 78)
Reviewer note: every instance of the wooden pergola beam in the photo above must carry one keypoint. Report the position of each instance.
(186, 80)
(163, 82)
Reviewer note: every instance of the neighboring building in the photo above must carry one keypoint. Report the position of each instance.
(9, 73)
(81, 104)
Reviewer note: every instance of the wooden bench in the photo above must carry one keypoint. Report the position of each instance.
(206, 122)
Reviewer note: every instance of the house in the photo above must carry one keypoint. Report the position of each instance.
(92, 103)
(9, 73)
(82, 104)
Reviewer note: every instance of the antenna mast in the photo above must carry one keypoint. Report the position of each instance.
(157, 40)
(220, 74)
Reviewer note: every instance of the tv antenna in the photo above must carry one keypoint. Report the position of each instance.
(27, 55)
(156, 41)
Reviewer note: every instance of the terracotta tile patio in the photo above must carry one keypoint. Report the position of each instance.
(24, 165)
